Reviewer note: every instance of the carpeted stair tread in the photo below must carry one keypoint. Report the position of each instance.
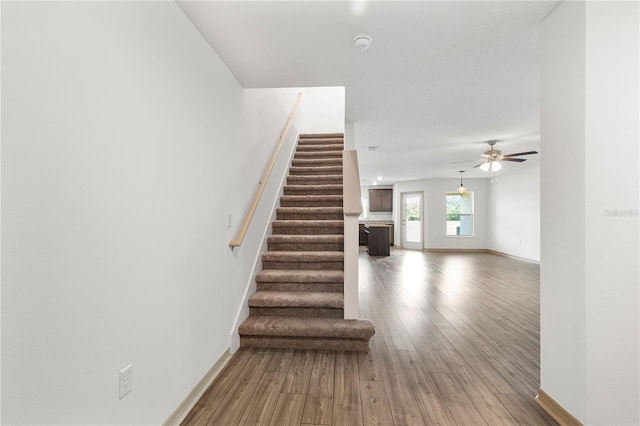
(314, 171)
(311, 200)
(322, 189)
(296, 299)
(325, 280)
(307, 238)
(311, 209)
(310, 213)
(311, 343)
(327, 186)
(303, 256)
(303, 260)
(317, 154)
(300, 276)
(309, 223)
(308, 327)
(312, 136)
(302, 242)
(306, 227)
(324, 139)
(320, 147)
(312, 162)
(314, 180)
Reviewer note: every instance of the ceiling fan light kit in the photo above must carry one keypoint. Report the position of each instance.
(491, 159)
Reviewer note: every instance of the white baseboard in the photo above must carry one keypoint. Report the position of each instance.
(524, 259)
(481, 250)
(196, 393)
(457, 250)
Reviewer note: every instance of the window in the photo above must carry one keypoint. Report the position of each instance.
(364, 202)
(460, 214)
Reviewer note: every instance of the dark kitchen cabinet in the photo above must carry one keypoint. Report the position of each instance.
(380, 200)
(378, 239)
(362, 235)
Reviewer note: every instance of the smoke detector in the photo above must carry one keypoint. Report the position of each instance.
(361, 41)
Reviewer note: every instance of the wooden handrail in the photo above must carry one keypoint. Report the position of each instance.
(247, 220)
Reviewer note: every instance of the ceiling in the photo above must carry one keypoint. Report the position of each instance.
(439, 79)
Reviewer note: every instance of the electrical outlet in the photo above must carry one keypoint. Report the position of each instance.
(126, 377)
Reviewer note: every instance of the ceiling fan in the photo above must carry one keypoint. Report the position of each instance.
(491, 159)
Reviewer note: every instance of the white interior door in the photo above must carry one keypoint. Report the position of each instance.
(412, 229)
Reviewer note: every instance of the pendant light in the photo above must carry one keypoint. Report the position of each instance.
(462, 189)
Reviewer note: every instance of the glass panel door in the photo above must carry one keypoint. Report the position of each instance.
(412, 229)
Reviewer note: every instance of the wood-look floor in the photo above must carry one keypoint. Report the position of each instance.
(457, 343)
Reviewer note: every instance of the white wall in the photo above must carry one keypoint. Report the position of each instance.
(435, 212)
(590, 327)
(514, 214)
(125, 143)
(562, 188)
(349, 137)
(612, 245)
(323, 110)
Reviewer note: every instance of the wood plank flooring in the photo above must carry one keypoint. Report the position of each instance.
(457, 343)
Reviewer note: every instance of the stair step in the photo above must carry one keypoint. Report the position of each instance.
(315, 287)
(318, 170)
(321, 141)
(314, 162)
(311, 201)
(322, 189)
(306, 333)
(312, 136)
(314, 180)
(297, 304)
(318, 147)
(297, 260)
(317, 154)
(300, 276)
(310, 213)
(297, 312)
(308, 227)
(300, 280)
(306, 243)
(297, 299)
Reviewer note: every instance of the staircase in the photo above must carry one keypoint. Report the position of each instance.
(300, 291)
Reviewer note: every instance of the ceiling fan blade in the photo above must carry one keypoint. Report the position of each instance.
(517, 154)
(517, 160)
(465, 161)
(479, 164)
